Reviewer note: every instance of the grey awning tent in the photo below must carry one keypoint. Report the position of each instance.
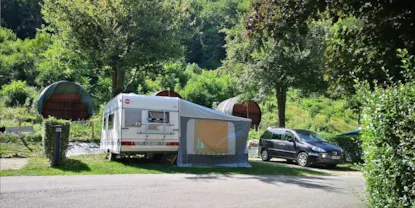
(212, 138)
(65, 88)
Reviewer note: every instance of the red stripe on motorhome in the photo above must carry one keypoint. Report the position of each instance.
(157, 140)
(134, 143)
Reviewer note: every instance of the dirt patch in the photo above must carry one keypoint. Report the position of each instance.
(12, 163)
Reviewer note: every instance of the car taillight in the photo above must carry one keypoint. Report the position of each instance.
(172, 144)
(127, 143)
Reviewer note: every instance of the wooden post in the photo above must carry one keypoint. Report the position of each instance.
(20, 126)
(247, 110)
(93, 132)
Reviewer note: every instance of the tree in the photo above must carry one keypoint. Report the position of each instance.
(209, 87)
(275, 65)
(173, 76)
(18, 57)
(366, 33)
(205, 39)
(117, 35)
(21, 16)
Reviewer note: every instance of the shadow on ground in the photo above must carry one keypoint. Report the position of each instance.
(257, 168)
(73, 165)
(271, 173)
(310, 182)
(339, 169)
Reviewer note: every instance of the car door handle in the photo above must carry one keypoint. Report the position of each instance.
(281, 144)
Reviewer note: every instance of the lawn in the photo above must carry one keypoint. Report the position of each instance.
(350, 166)
(20, 150)
(96, 164)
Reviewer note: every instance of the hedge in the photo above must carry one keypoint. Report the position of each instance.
(49, 137)
(14, 138)
(351, 146)
(389, 141)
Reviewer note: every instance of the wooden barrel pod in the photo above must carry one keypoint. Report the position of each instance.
(65, 100)
(249, 110)
(167, 93)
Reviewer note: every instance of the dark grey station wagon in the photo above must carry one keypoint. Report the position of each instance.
(302, 146)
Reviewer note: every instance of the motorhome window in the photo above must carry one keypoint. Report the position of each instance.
(110, 121)
(157, 117)
(132, 117)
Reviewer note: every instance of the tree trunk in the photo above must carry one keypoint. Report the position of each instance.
(114, 82)
(281, 101)
(120, 80)
(118, 76)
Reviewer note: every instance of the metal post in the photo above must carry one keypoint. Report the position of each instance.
(58, 129)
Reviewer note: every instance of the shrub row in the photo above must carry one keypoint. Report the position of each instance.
(389, 141)
(13, 138)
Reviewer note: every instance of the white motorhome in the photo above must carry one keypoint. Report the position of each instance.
(138, 124)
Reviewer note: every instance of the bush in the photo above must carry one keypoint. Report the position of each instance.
(13, 138)
(82, 132)
(49, 137)
(35, 137)
(389, 140)
(17, 93)
(352, 146)
(253, 135)
(9, 138)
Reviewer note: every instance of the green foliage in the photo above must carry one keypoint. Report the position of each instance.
(352, 146)
(17, 93)
(117, 35)
(14, 138)
(9, 138)
(34, 137)
(312, 111)
(173, 76)
(49, 140)
(18, 58)
(21, 16)
(389, 139)
(208, 88)
(253, 135)
(205, 40)
(269, 64)
(82, 132)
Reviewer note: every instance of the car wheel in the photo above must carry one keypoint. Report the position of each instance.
(265, 155)
(302, 159)
(331, 165)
